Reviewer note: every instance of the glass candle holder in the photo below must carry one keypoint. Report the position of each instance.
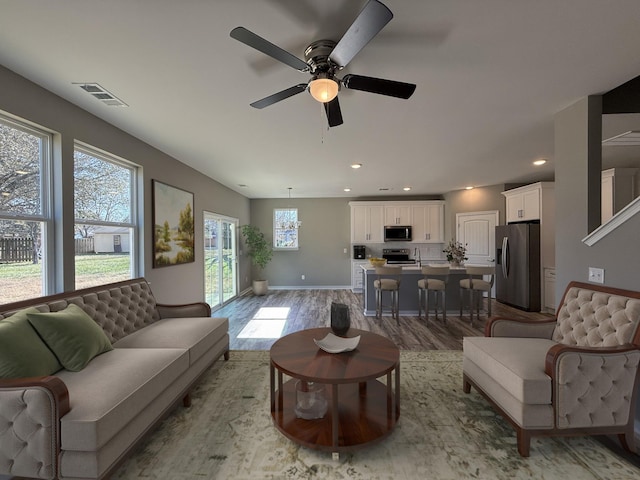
(311, 400)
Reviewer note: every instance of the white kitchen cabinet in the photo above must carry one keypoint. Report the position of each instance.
(356, 275)
(428, 222)
(523, 203)
(617, 190)
(397, 215)
(367, 224)
(550, 289)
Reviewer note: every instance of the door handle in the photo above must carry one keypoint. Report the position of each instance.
(505, 257)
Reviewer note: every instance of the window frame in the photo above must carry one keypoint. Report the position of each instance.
(45, 216)
(134, 223)
(276, 230)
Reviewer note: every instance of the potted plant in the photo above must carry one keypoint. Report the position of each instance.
(456, 253)
(259, 249)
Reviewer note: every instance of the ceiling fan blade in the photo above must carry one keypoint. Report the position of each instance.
(255, 41)
(334, 115)
(373, 17)
(276, 97)
(380, 86)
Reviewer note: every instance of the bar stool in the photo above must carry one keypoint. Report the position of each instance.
(388, 281)
(435, 285)
(476, 288)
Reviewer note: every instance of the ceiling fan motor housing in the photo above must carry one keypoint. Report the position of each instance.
(317, 57)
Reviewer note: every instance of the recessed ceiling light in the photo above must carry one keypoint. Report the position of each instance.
(242, 185)
(356, 165)
(468, 188)
(347, 189)
(406, 189)
(542, 161)
(384, 189)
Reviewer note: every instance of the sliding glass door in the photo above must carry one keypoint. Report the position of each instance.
(220, 259)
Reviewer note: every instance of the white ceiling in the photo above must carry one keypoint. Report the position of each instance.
(490, 76)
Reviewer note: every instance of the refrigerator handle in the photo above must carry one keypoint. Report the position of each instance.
(505, 256)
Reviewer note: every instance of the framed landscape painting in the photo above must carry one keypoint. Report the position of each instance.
(173, 225)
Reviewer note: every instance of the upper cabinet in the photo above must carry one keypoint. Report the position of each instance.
(367, 223)
(526, 203)
(618, 189)
(397, 215)
(369, 218)
(523, 203)
(428, 222)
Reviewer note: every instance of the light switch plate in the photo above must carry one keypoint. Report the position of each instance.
(596, 275)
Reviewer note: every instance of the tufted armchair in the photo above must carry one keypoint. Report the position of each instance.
(576, 374)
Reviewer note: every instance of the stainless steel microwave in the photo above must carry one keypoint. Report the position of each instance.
(397, 233)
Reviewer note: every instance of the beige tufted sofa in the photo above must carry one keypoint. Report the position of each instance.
(81, 424)
(576, 374)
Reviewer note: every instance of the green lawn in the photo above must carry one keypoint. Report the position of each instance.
(20, 281)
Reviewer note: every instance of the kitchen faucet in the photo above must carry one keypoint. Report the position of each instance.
(416, 253)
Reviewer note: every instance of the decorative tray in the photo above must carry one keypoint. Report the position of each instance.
(334, 344)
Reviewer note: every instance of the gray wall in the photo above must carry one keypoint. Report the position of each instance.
(476, 200)
(618, 252)
(177, 284)
(324, 234)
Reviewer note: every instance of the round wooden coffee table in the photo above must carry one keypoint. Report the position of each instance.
(361, 408)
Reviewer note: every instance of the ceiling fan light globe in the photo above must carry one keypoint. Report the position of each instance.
(323, 89)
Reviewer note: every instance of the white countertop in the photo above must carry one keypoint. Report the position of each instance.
(412, 268)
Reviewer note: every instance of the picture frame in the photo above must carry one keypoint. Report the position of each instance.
(173, 225)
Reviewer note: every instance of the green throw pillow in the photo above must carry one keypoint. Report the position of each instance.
(72, 335)
(22, 351)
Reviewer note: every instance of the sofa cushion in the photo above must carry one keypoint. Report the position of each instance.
(113, 389)
(517, 363)
(196, 334)
(22, 351)
(72, 336)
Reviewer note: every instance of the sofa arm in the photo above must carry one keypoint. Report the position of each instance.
(510, 327)
(198, 309)
(30, 412)
(593, 386)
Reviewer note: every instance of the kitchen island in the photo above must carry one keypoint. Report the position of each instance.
(409, 291)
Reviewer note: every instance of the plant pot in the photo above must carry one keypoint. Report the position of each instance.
(260, 287)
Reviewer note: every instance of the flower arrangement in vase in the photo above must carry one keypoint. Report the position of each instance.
(456, 253)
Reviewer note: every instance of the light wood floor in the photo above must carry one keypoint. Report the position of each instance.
(311, 309)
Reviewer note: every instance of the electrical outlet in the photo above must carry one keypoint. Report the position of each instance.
(596, 275)
(302, 277)
(345, 250)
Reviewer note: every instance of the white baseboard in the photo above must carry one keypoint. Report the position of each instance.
(312, 287)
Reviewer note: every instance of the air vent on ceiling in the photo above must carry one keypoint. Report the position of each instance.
(629, 138)
(106, 97)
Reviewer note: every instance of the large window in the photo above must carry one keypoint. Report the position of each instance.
(25, 214)
(285, 228)
(105, 222)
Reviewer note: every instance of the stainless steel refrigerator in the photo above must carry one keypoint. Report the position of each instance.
(518, 265)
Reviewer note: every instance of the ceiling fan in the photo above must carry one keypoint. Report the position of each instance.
(325, 58)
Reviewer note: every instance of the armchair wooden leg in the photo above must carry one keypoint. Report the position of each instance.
(524, 442)
(466, 385)
(628, 441)
(226, 356)
(186, 400)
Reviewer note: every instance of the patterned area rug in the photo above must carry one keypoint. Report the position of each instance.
(442, 434)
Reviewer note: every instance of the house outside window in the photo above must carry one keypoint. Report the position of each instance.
(25, 211)
(285, 228)
(105, 230)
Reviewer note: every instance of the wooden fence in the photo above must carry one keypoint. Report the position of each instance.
(21, 249)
